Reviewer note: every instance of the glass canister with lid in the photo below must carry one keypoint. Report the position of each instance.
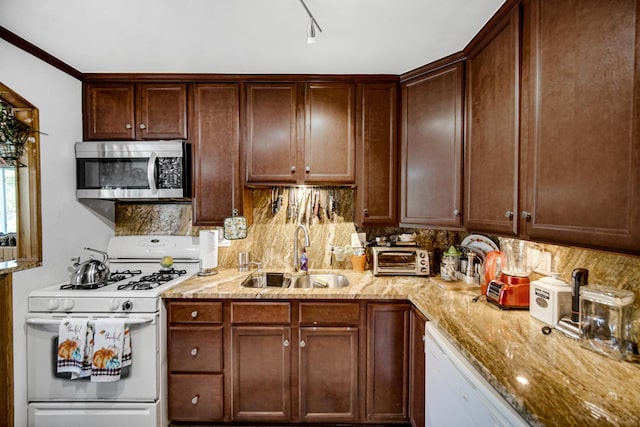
(605, 321)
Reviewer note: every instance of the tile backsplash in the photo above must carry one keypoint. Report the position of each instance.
(270, 237)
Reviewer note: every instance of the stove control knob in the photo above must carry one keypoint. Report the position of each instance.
(67, 304)
(53, 304)
(114, 304)
(127, 305)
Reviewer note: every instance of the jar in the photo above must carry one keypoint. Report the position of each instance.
(449, 267)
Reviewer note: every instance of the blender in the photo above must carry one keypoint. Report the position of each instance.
(510, 290)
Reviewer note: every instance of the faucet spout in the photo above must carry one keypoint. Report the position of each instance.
(307, 243)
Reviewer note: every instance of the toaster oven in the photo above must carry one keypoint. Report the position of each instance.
(400, 261)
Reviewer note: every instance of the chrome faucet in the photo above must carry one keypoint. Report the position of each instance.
(296, 256)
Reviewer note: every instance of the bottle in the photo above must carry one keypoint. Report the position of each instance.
(304, 261)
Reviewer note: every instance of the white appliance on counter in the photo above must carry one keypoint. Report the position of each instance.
(456, 394)
(139, 397)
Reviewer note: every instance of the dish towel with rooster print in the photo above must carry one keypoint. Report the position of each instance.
(108, 350)
(72, 344)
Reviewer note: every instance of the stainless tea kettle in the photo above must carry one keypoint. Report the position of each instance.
(90, 272)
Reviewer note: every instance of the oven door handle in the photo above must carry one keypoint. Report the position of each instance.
(49, 321)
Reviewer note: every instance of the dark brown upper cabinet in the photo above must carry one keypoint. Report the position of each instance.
(492, 123)
(272, 132)
(431, 149)
(377, 154)
(214, 129)
(135, 111)
(300, 133)
(581, 123)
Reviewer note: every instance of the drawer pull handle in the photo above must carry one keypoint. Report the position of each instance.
(194, 313)
(128, 126)
(195, 399)
(508, 215)
(194, 351)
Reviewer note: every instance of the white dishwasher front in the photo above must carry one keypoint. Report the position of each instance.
(456, 394)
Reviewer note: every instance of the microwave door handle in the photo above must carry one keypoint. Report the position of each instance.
(151, 173)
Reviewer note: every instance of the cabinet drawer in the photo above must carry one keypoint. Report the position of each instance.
(196, 397)
(195, 349)
(195, 312)
(329, 313)
(259, 312)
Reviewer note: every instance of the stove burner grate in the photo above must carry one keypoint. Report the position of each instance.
(153, 280)
(113, 278)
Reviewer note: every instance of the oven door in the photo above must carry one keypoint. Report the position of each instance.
(139, 383)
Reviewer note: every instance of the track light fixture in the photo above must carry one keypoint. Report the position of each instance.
(311, 26)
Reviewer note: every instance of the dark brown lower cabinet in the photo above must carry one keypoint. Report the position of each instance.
(387, 362)
(261, 373)
(417, 370)
(328, 359)
(324, 362)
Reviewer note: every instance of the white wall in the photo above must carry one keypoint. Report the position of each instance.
(67, 226)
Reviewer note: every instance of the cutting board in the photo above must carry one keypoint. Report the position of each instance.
(458, 285)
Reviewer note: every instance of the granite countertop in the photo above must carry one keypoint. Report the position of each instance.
(549, 379)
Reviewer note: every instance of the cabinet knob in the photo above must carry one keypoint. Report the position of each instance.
(194, 314)
(307, 169)
(508, 214)
(293, 169)
(285, 343)
(365, 212)
(194, 351)
(525, 215)
(302, 343)
(128, 126)
(142, 126)
(195, 399)
(456, 212)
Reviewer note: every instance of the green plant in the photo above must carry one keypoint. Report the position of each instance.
(13, 135)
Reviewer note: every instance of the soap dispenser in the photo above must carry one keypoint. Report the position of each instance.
(304, 261)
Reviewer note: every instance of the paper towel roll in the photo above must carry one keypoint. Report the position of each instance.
(208, 250)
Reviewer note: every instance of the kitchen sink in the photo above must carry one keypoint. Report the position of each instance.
(319, 281)
(267, 280)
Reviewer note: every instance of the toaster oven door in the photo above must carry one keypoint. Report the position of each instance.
(396, 262)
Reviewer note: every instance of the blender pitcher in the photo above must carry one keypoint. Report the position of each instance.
(518, 257)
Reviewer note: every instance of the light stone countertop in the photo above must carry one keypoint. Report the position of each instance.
(549, 379)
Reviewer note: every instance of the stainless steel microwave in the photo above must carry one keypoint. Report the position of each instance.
(400, 261)
(138, 170)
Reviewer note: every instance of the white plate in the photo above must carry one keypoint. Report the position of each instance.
(479, 243)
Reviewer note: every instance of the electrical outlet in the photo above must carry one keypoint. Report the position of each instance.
(544, 264)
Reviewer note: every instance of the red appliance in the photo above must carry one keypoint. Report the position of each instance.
(509, 288)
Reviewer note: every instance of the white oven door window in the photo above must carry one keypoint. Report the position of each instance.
(139, 383)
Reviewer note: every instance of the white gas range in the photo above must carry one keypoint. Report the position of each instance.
(133, 293)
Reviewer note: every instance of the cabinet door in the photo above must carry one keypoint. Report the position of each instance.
(162, 111)
(492, 143)
(194, 397)
(328, 366)
(377, 155)
(431, 151)
(387, 362)
(261, 373)
(215, 141)
(416, 370)
(329, 148)
(583, 154)
(109, 111)
(271, 133)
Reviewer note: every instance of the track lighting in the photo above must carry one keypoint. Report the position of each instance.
(311, 26)
(311, 32)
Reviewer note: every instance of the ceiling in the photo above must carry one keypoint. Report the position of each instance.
(247, 36)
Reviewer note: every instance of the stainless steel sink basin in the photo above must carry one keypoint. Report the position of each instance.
(267, 280)
(321, 281)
